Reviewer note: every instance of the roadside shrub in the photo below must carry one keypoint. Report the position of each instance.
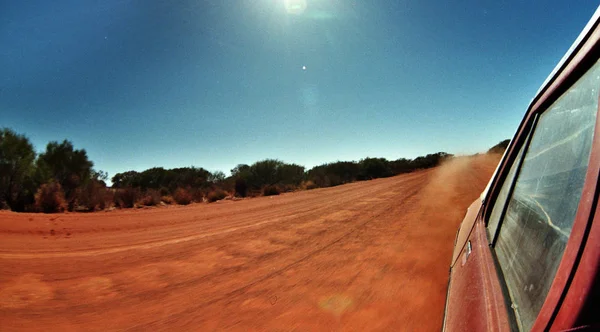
(93, 196)
(167, 199)
(197, 194)
(241, 187)
(254, 193)
(150, 198)
(287, 188)
(308, 185)
(271, 190)
(164, 191)
(182, 196)
(126, 197)
(216, 195)
(109, 198)
(50, 198)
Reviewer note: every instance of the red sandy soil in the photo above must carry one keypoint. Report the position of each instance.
(367, 256)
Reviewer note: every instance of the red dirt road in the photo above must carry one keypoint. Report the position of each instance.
(371, 255)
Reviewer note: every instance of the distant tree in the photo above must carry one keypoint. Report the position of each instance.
(241, 170)
(340, 172)
(166, 180)
(126, 179)
(264, 173)
(430, 160)
(152, 178)
(290, 174)
(345, 171)
(373, 168)
(400, 166)
(500, 147)
(70, 167)
(192, 177)
(216, 177)
(16, 170)
(100, 176)
(334, 174)
(318, 175)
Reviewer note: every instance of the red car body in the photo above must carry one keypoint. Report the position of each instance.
(527, 253)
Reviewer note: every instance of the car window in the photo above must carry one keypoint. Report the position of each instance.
(502, 197)
(542, 207)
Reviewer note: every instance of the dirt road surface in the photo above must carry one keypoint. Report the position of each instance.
(367, 256)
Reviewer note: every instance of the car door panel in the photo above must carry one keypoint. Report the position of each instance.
(475, 301)
(465, 229)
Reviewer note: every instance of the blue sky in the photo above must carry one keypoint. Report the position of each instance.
(216, 83)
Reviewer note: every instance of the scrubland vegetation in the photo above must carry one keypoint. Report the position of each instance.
(62, 178)
(500, 147)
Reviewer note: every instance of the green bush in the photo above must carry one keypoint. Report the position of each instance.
(216, 195)
(50, 198)
(271, 190)
(182, 196)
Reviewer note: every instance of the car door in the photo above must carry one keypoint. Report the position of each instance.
(513, 269)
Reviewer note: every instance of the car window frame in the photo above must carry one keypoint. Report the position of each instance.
(583, 57)
(519, 158)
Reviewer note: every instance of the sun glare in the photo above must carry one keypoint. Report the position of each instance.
(295, 7)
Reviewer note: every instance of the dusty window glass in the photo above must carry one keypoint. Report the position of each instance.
(542, 208)
(502, 196)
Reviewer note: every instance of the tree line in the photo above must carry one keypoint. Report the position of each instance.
(61, 174)
(63, 178)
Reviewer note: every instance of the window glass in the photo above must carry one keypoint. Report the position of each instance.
(542, 208)
(502, 196)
